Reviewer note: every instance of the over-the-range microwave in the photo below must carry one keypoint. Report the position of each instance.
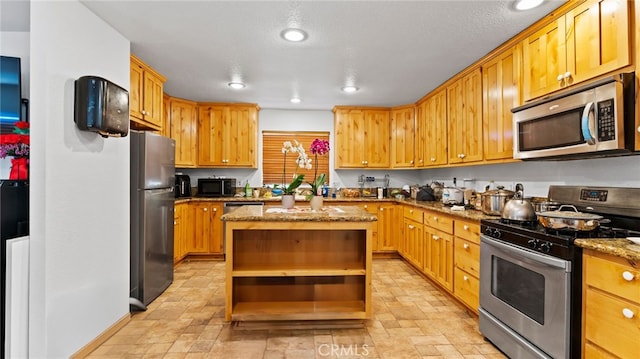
(593, 120)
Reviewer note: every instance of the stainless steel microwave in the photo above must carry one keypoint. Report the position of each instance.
(593, 120)
(216, 187)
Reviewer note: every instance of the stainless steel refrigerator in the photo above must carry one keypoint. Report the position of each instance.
(152, 201)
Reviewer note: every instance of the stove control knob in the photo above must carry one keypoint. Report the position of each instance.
(497, 233)
(533, 243)
(488, 231)
(545, 247)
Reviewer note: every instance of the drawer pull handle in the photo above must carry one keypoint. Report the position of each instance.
(365, 206)
(215, 210)
(628, 313)
(628, 276)
(435, 219)
(465, 278)
(411, 211)
(381, 209)
(465, 227)
(465, 246)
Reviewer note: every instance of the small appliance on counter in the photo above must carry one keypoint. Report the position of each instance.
(216, 187)
(183, 186)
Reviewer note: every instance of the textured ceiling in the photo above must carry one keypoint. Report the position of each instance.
(394, 51)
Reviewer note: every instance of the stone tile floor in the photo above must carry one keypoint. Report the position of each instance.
(411, 319)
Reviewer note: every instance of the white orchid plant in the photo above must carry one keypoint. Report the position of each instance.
(302, 161)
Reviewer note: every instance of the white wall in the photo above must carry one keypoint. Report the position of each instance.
(79, 283)
(15, 44)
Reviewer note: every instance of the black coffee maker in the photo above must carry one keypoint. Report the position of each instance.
(183, 186)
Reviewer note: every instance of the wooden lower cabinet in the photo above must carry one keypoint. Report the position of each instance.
(180, 225)
(389, 229)
(438, 250)
(203, 230)
(467, 263)
(413, 242)
(611, 306)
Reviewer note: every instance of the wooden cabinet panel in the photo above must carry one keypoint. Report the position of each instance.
(377, 138)
(438, 221)
(180, 223)
(182, 128)
(606, 325)
(145, 96)
(373, 209)
(432, 131)
(413, 213)
(501, 78)
(467, 289)
(597, 38)
(611, 306)
(467, 230)
(207, 236)
(403, 137)
(467, 256)
(438, 262)
(586, 42)
(389, 230)
(362, 137)
(464, 110)
(615, 278)
(227, 135)
(413, 242)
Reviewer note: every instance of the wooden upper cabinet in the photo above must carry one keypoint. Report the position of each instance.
(403, 123)
(227, 135)
(588, 41)
(145, 96)
(501, 92)
(464, 109)
(362, 138)
(434, 125)
(182, 123)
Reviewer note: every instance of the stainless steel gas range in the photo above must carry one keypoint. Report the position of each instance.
(531, 276)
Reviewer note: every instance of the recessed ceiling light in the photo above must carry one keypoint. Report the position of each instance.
(237, 85)
(295, 100)
(349, 89)
(294, 35)
(527, 4)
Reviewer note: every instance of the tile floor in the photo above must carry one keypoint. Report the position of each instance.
(411, 319)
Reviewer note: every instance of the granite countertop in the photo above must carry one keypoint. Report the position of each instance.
(299, 214)
(620, 247)
(437, 206)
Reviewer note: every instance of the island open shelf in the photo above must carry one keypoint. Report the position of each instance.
(298, 266)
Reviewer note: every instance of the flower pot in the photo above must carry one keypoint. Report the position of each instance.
(288, 201)
(316, 203)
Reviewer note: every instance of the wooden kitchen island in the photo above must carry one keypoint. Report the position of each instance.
(297, 264)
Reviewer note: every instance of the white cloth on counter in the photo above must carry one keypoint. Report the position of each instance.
(457, 208)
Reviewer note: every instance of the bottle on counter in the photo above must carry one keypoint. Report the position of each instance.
(247, 190)
(325, 190)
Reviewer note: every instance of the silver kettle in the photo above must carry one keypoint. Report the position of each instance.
(518, 208)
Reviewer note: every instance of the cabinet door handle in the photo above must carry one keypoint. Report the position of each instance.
(411, 162)
(381, 209)
(628, 276)
(433, 159)
(628, 313)
(567, 75)
(411, 211)
(174, 223)
(435, 238)
(205, 209)
(465, 278)
(465, 246)
(435, 219)
(365, 206)
(465, 227)
(560, 77)
(411, 226)
(215, 210)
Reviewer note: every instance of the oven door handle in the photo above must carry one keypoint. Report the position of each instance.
(532, 256)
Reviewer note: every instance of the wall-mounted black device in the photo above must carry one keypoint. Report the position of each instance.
(101, 106)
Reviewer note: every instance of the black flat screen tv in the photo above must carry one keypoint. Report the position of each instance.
(10, 92)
